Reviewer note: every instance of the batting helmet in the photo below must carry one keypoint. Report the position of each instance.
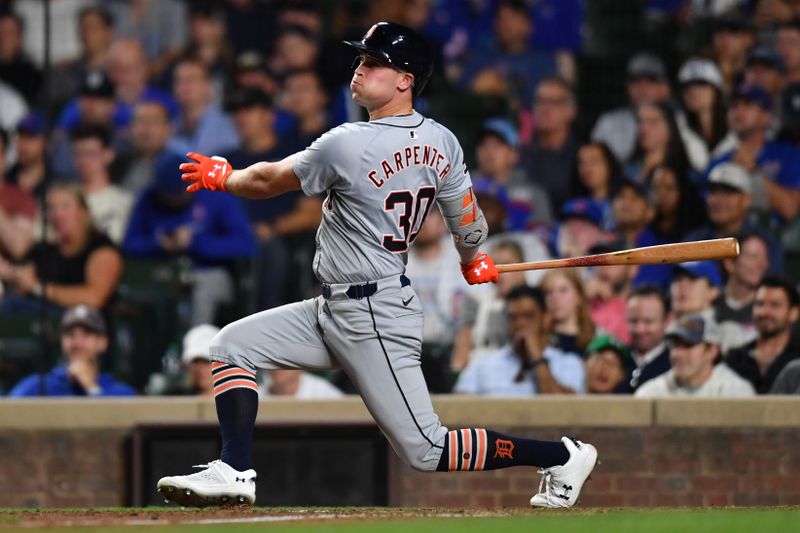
(399, 47)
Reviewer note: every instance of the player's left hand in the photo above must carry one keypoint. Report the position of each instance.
(480, 270)
(206, 172)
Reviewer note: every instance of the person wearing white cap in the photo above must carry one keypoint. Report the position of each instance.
(702, 100)
(197, 360)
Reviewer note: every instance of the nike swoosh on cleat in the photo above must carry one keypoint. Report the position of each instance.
(406, 302)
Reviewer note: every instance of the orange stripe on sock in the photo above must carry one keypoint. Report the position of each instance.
(453, 442)
(237, 383)
(466, 436)
(233, 372)
(216, 364)
(481, 461)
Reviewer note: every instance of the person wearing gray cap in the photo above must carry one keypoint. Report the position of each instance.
(729, 198)
(83, 342)
(694, 352)
(702, 100)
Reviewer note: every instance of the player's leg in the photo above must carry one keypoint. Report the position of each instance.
(284, 337)
(377, 341)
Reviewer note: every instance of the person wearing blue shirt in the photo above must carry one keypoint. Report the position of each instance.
(526, 365)
(211, 229)
(83, 342)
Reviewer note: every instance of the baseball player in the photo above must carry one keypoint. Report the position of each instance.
(381, 178)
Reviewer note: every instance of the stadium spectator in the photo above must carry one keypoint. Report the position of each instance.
(81, 266)
(774, 166)
(580, 229)
(526, 365)
(735, 302)
(775, 312)
(648, 313)
(608, 366)
(607, 291)
(596, 175)
(497, 174)
(251, 24)
(658, 142)
(96, 33)
(298, 384)
(768, 13)
(296, 48)
(304, 97)
(570, 323)
(251, 72)
(646, 83)
(196, 358)
(677, 206)
(151, 129)
(632, 212)
(13, 109)
(208, 43)
(694, 354)
(787, 44)
(160, 27)
(694, 286)
(286, 217)
(202, 126)
(16, 69)
(729, 199)
(84, 339)
(109, 205)
(549, 157)
(210, 229)
(703, 101)
(788, 381)
(510, 54)
(31, 170)
(731, 39)
(17, 213)
(765, 69)
(483, 328)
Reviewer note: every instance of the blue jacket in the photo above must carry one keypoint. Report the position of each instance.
(57, 383)
(221, 232)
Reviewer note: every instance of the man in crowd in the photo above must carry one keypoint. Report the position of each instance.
(526, 365)
(580, 228)
(305, 98)
(197, 358)
(151, 130)
(83, 342)
(648, 315)
(694, 351)
(31, 170)
(775, 311)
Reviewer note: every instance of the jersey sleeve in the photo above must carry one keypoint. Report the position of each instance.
(457, 180)
(327, 162)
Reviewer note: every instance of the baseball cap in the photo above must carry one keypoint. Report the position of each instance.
(167, 175)
(96, 83)
(197, 341)
(753, 94)
(608, 342)
(700, 70)
(693, 329)
(250, 60)
(732, 176)
(85, 316)
(764, 55)
(699, 269)
(584, 208)
(646, 65)
(31, 124)
(248, 98)
(502, 128)
(637, 187)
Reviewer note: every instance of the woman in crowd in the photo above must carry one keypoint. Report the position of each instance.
(703, 102)
(659, 142)
(677, 204)
(81, 266)
(568, 310)
(596, 175)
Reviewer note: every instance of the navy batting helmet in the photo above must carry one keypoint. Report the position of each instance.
(399, 47)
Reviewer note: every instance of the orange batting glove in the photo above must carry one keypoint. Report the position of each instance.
(480, 270)
(206, 172)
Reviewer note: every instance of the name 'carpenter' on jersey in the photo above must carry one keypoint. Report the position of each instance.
(410, 156)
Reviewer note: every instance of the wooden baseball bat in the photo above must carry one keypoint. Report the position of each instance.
(679, 252)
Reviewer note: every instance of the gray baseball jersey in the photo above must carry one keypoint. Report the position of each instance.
(381, 179)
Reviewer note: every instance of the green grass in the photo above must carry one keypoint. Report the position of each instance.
(388, 521)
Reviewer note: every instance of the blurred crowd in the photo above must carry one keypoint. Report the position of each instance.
(588, 127)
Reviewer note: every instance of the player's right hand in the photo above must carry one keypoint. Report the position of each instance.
(480, 270)
(205, 172)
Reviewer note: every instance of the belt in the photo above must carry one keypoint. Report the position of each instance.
(364, 290)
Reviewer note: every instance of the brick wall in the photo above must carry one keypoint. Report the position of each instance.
(639, 467)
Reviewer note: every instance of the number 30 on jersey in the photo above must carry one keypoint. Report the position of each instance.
(412, 208)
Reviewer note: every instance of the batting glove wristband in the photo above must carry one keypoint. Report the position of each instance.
(480, 270)
(206, 172)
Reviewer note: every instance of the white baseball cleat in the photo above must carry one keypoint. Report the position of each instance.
(217, 484)
(562, 484)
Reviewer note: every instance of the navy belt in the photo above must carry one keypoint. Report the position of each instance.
(365, 290)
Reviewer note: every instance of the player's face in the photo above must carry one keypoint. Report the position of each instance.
(375, 84)
(646, 322)
(603, 372)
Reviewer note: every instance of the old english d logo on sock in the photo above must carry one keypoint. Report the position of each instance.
(503, 449)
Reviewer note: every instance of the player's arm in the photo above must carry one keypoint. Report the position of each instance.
(468, 226)
(258, 181)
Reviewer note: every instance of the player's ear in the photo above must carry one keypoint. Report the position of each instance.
(406, 81)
